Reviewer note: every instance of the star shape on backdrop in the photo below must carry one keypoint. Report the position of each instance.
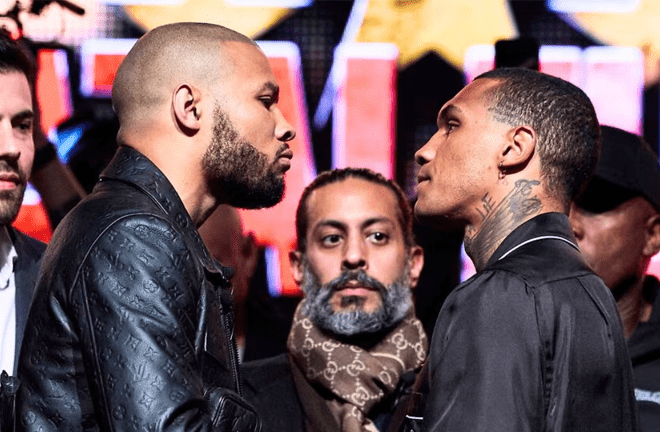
(250, 20)
(446, 27)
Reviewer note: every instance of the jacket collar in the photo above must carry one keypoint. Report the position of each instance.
(132, 167)
(542, 227)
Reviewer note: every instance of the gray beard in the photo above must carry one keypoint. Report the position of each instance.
(396, 303)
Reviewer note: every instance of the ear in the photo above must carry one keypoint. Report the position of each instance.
(519, 148)
(187, 108)
(296, 260)
(416, 264)
(652, 236)
(250, 253)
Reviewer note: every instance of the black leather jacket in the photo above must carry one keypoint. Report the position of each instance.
(131, 326)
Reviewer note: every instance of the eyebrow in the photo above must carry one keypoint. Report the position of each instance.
(272, 87)
(25, 114)
(446, 112)
(340, 225)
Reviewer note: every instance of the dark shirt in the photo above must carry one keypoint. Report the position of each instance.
(531, 343)
(644, 347)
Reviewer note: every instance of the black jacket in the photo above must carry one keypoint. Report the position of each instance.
(644, 347)
(29, 251)
(131, 325)
(531, 343)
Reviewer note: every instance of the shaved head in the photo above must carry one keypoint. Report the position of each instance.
(164, 58)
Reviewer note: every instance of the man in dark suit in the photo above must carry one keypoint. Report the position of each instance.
(19, 254)
(355, 345)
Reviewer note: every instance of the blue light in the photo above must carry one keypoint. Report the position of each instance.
(65, 140)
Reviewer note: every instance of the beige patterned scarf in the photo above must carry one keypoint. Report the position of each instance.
(358, 379)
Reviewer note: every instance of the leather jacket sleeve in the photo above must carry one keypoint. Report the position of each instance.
(129, 332)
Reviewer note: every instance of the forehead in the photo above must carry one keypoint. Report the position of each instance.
(352, 201)
(15, 92)
(245, 63)
(472, 99)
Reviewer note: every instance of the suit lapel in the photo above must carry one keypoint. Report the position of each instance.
(25, 277)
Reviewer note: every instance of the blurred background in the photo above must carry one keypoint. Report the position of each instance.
(362, 81)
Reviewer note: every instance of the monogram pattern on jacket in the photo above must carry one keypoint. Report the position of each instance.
(122, 334)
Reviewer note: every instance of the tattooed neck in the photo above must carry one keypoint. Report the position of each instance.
(499, 219)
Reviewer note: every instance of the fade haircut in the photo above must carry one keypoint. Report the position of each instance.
(563, 117)
(404, 213)
(14, 59)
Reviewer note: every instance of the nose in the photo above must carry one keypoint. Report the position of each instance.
(9, 148)
(425, 154)
(354, 256)
(283, 129)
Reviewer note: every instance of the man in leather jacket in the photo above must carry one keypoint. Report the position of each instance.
(355, 345)
(131, 327)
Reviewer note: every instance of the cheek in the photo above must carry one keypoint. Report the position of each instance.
(604, 250)
(387, 267)
(27, 157)
(325, 265)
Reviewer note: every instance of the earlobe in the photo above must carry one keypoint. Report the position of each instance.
(186, 108)
(296, 262)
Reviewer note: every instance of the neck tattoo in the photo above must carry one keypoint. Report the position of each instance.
(500, 219)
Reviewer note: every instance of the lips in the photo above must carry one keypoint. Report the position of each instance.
(9, 180)
(422, 177)
(284, 157)
(356, 286)
(285, 152)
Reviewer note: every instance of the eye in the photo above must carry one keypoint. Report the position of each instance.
(378, 237)
(267, 101)
(330, 240)
(451, 125)
(24, 126)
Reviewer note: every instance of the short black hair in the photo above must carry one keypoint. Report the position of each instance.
(14, 59)
(563, 117)
(405, 214)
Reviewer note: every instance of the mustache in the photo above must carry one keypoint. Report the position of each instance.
(359, 276)
(7, 167)
(284, 147)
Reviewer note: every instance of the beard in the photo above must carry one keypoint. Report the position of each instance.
(396, 302)
(237, 171)
(11, 200)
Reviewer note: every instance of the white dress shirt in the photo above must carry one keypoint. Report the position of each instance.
(8, 256)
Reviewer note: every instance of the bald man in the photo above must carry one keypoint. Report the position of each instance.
(131, 327)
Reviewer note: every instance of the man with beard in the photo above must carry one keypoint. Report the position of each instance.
(355, 345)
(19, 254)
(533, 341)
(616, 222)
(131, 324)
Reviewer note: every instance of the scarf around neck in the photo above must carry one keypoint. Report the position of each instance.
(358, 379)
